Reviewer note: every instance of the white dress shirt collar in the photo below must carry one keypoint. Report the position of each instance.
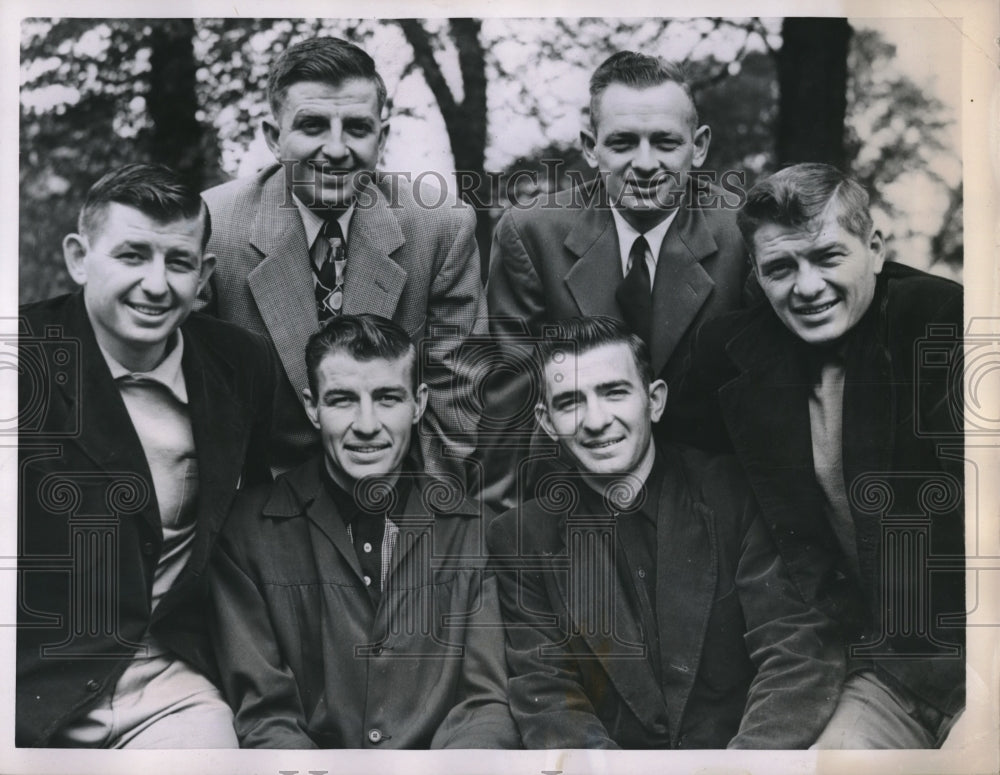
(313, 223)
(627, 235)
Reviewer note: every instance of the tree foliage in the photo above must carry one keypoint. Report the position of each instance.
(493, 94)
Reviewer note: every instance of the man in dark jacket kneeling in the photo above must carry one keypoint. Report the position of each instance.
(352, 604)
(646, 604)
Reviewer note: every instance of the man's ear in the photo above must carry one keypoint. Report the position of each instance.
(588, 141)
(207, 268)
(383, 135)
(702, 139)
(75, 248)
(877, 246)
(542, 415)
(312, 409)
(271, 136)
(421, 399)
(657, 399)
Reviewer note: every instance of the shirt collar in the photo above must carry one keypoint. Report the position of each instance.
(650, 494)
(627, 235)
(350, 510)
(313, 223)
(168, 373)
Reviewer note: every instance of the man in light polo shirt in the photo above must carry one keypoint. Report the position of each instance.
(134, 434)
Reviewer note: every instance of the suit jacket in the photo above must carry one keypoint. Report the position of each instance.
(406, 260)
(309, 662)
(89, 532)
(560, 259)
(903, 444)
(744, 662)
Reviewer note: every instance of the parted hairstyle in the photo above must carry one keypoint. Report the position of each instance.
(797, 195)
(637, 71)
(325, 60)
(153, 189)
(364, 337)
(574, 336)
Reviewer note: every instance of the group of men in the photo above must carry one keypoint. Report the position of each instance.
(265, 523)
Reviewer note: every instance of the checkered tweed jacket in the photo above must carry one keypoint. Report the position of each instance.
(407, 260)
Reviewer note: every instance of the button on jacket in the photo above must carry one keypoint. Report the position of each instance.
(307, 659)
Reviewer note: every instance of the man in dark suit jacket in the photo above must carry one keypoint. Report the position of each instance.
(137, 423)
(574, 253)
(842, 400)
(352, 602)
(410, 255)
(646, 606)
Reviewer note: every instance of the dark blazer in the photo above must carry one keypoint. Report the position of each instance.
(89, 534)
(409, 261)
(309, 662)
(744, 662)
(903, 466)
(559, 259)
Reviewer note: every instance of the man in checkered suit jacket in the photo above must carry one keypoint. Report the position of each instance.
(411, 255)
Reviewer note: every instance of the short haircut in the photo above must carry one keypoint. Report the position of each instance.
(796, 195)
(638, 71)
(576, 336)
(364, 337)
(153, 189)
(325, 60)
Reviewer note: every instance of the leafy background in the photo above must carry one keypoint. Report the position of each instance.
(495, 96)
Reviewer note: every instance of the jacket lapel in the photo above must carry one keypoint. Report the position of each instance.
(282, 284)
(869, 412)
(415, 539)
(595, 277)
(373, 282)
(766, 409)
(305, 486)
(687, 571)
(870, 417)
(217, 422)
(620, 648)
(106, 435)
(681, 285)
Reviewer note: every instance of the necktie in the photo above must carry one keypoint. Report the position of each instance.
(634, 294)
(330, 275)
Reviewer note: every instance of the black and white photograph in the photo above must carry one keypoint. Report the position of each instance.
(500, 388)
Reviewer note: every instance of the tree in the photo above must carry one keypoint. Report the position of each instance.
(465, 119)
(812, 78)
(98, 93)
(496, 94)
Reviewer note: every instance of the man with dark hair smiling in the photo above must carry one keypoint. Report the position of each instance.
(640, 244)
(842, 399)
(322, 233)
(646, 606)
(352, 604)
(134, 435)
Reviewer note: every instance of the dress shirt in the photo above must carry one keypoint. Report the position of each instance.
(157, 404)
(635, 550)
(371, 531)
(314, 224)
(627, 235)
(826, 421)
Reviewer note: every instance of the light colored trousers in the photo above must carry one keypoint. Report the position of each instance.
(159, 702)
